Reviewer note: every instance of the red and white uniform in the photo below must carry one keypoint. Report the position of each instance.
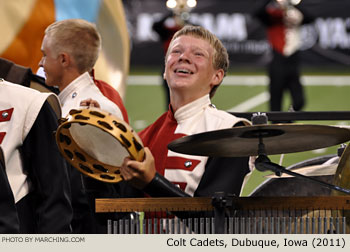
(283, 22)
(83, 88)
(36, 172)
(19, 108)
(112, 94)
(186, 170)
(284, 30)
(84, 188)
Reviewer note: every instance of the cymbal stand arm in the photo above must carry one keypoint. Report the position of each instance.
(262, 160)
(261, 146)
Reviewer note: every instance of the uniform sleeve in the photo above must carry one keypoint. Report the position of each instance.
(261, 14)
(159, 27)
(47, 171)
(161, 187)
(223, 175)
(9, 223)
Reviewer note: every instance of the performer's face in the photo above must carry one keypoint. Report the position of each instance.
(189, 68)
(51, 63)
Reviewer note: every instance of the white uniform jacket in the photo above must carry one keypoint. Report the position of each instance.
(19, 108)
(83, 88)
(187, 171)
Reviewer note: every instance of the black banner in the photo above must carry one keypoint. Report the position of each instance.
(325, 41)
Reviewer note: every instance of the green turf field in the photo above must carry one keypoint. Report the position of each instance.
(145, 103)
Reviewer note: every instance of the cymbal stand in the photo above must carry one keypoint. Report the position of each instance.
(263, 163)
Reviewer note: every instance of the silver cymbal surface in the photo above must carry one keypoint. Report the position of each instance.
(244, 140)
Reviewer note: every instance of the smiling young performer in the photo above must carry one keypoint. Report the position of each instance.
(195, 65)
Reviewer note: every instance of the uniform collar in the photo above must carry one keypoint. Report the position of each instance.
(74, 87)
(192, 108)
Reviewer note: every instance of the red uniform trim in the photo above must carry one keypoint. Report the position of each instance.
(276, 33)
(112, 95)
(165, 127)
(180, 163)
(8, 117)
(2, 136)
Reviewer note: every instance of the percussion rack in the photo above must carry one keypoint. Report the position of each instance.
(206, 203)
(220, 205)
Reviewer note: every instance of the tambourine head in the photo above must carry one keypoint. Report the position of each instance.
(96, 143)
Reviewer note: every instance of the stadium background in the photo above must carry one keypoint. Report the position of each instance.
(325, 52)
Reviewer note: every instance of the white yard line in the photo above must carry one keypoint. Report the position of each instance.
(251, 103)
(256, 80)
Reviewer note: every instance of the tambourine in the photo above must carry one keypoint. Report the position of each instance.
(96, 143)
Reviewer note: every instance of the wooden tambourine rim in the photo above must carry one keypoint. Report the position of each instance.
(110, 124)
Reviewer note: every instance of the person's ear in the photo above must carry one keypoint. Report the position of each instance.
(217, 77)
(64, 59)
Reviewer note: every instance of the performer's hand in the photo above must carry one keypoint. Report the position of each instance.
(139, 174)
(90, 103)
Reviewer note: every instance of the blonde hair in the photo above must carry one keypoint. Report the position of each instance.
(220, 55)
(78, 38)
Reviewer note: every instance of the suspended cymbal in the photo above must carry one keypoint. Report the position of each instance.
(342, 175)
(342, 179)
(244, 140)
(312, 170)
